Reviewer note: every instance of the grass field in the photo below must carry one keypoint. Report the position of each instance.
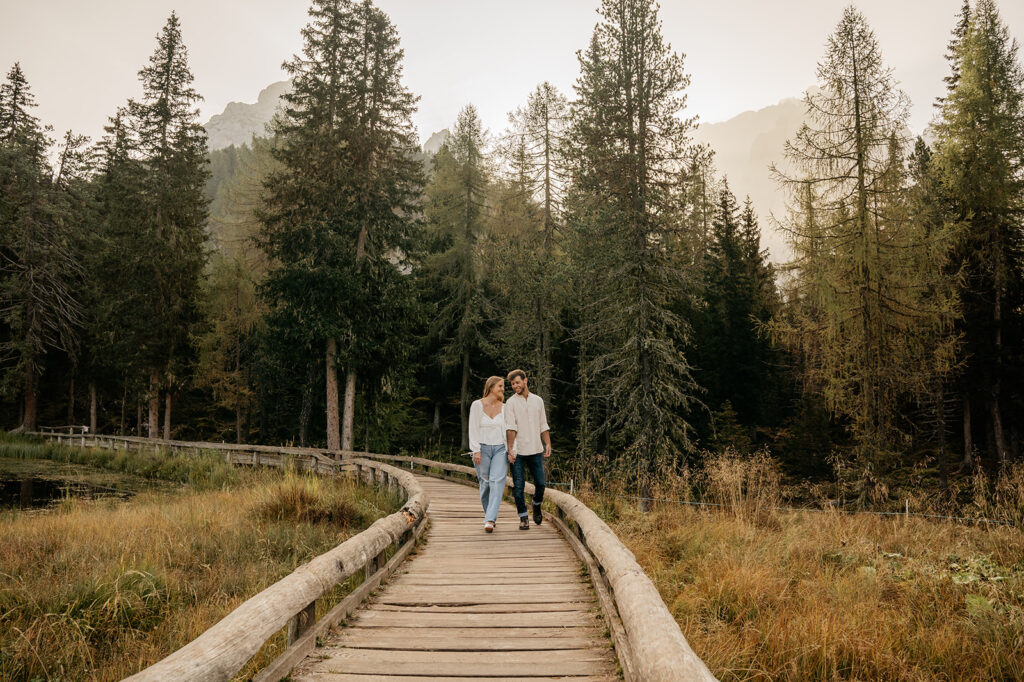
(773, 595)
(99, 590)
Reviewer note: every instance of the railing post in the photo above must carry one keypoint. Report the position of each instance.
(301, 622)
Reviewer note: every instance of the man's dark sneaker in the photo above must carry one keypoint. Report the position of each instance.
(537, 516)
(524, 523)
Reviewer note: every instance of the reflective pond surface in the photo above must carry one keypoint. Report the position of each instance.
(33, 492)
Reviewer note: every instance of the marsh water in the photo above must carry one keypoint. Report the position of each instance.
(30, 491)
(37, 484)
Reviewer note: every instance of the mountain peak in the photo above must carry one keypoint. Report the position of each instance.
(241, 120)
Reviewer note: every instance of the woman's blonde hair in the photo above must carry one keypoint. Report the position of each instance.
(489, 384)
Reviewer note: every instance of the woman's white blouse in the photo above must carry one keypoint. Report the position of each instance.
(483, 429)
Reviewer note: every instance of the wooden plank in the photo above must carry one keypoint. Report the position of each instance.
(403, 632)
(463, 663)
(374, 617)
(490, 608)
(385, 640)
(353, 677)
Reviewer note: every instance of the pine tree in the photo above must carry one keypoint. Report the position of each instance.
(626, 207)
(455, 208)
(171, 144)
(861, 272)
(739, 292)
(979, 165)
(38, 271)
(339, 219)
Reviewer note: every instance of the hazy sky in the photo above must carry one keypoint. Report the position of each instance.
(82, 58)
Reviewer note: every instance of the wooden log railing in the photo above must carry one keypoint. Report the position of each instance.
(224, 649)
(649, 644)
(308, 459)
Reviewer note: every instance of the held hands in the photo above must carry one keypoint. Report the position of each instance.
(512, 457)
(476, 458)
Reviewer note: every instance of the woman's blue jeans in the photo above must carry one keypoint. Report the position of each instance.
(491, 472)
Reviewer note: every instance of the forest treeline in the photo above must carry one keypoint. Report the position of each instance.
(332, 285)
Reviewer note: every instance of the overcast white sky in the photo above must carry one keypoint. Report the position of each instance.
(82, 57)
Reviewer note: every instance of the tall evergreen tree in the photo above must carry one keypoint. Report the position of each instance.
(739, 294)
(626, 207)
(979, 162)
(860, 273)
(455, 208)
(171, 143)
(339, 219)
(115, 278)
(39, 309)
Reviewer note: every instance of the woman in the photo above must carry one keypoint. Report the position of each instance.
(487, 442)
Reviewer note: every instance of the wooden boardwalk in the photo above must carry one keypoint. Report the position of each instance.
(512, 605)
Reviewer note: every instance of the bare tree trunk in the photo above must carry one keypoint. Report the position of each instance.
(333, 435)
(167, 416)
(124, 406)
(154, 404)
(968, 440)
(307, 404)
(93, 407)
(437, 416)
(997, 417)
(348, 420)
(138, 418)
(238, 374)
(997, 425)
(463, 401)
(28, 421)
(71, 401)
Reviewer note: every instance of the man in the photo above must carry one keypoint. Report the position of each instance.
(529, 444)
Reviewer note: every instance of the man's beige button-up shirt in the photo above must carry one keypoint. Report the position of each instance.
(526, 417)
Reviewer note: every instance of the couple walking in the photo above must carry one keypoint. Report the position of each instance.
(515, 433)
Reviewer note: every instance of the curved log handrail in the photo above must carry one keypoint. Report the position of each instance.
(657, 651)
(225, 648)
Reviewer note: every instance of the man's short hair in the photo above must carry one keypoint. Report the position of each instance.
(516, 373)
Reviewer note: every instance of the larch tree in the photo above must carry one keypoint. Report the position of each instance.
(626, 208)
(979, 167)
(861, 272)
(340, 215)
(527, 220)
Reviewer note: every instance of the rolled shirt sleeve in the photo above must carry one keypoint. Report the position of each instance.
(511, 419)
(476, 411)
(543, 416)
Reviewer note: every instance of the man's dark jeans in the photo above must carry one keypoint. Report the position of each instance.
(536, 465)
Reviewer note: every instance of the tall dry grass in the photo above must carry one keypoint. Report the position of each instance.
(775, 595)
(100, 590)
